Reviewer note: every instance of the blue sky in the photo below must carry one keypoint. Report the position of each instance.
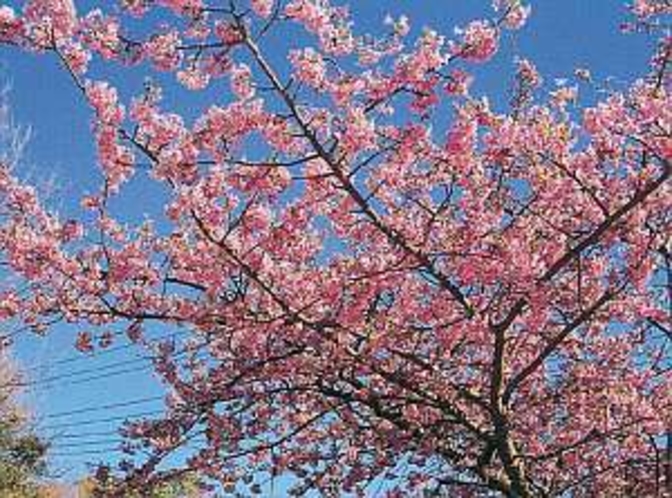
(561, 36)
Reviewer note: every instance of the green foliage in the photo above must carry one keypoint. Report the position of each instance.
(184, 486)
(21, 453)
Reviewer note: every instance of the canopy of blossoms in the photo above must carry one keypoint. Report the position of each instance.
(485, 303)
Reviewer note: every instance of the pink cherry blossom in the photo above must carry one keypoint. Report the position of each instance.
(309, 66)
(161, 49)
(84, 342)
(515, 12)
(241, 81)
(263, 8)
(76, 55)
(649, 8)
(193, 77)
(101, 34)
(51, 18)
(480, 42)
(11, 26)
(359, 132)
(9, 304)
(459, 83)
(382, 275)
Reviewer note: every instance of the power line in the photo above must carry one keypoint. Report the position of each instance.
(102, 352)
(101, 420)
(86, 380)
(101, 451)
(53, 380)
(82, 357)
(110, 406)
(58, 378)
(67, 375)
(84, 444)
(83, 435)
(117, 448)
(85, 371)
(108, 441)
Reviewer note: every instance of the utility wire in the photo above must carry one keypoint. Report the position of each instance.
(110, 406)
(83, 435)
(100, 420)
(53, 381)
(110, 366)
(85, 371)
(83, 444)
(50, 381)
(101, 352)
(101, 442)
(55, 378)
(101, 451)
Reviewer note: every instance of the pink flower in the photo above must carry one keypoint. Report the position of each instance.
(460, 139)
(278, 134)
(71, 230)
(183, 7)
(76, 56)
(135, 7)
(345, 88)
(309, 67)
(106, 339)
(359, 132)
(257, 219)
(158, 129)
(193, 78)
(241, 81)
(563, 96)
(162, 50)
(527, 72)
(7, 14)
(329, 23)
(134, 332)
(330, 232)
(263, 8)
(649, 8)
(10, 25)
(459, 83)
(515, 13)
(228, 33)
(337, 39)
(270, 180)
(101, 33)
(401, 26)
(103, 98)
(517, 17)
(9, 304)
(116, 159)
(216, 64)
(315, 16)
(84, 342)
(480, 42)
(90, 202)
(51, 19)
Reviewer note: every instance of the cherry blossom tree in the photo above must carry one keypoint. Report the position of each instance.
(382, 278)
